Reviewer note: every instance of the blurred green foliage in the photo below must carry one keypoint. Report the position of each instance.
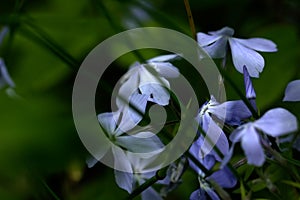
(41, 155)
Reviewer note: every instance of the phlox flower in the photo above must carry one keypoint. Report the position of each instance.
(212, 112)
(134, 175)
(149, 79)
(223, 177)
(243, 51)
(276, 122)
(292, 91)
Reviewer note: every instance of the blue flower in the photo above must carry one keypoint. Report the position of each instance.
(243, 51)
(223, 177)
(149, 79)
(292, 91)
(250, 92)
(213, 112)
(117, 124)
(135, 175)
(275, 123)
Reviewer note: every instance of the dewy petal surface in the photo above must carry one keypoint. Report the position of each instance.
(252, 147)
(242, 55)
(277, 122)
(258, 44)
(292, 91)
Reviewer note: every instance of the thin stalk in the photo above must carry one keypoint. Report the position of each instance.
(50, 190)
(191, 20)
(160, 175)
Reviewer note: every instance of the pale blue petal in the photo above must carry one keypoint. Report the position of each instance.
(208, 162)
(151, 194)
(224, 178)
(108, 121)
(242, 55)
(252, 147)
(198, 194)
(227, 157)
(194, 150)
(217, 49)
(132, 114)
(158, 94)
(91, 161)
(212, 194)
(124, 180)
(258, 44)
(236, 112)
(277, 122)
(214, 136)
(238, 133)
(205, 40)
(292, 91)
(144, 142)
(127, 88)
(163, 58)
(250, 92)
(166, 69)
(226, 31)
(121, 161)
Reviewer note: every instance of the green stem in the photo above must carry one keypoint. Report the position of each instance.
(160, 175)
(50, 190)
(191, 20)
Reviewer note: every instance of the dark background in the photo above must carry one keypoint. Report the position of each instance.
(39, 146)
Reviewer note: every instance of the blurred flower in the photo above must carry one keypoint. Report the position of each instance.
(275, 122)
(292, 91)
(3, 33)
(149, 79)
(5, 78)
(243, 51)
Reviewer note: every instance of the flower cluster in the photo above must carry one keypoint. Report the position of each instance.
(211, 152)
